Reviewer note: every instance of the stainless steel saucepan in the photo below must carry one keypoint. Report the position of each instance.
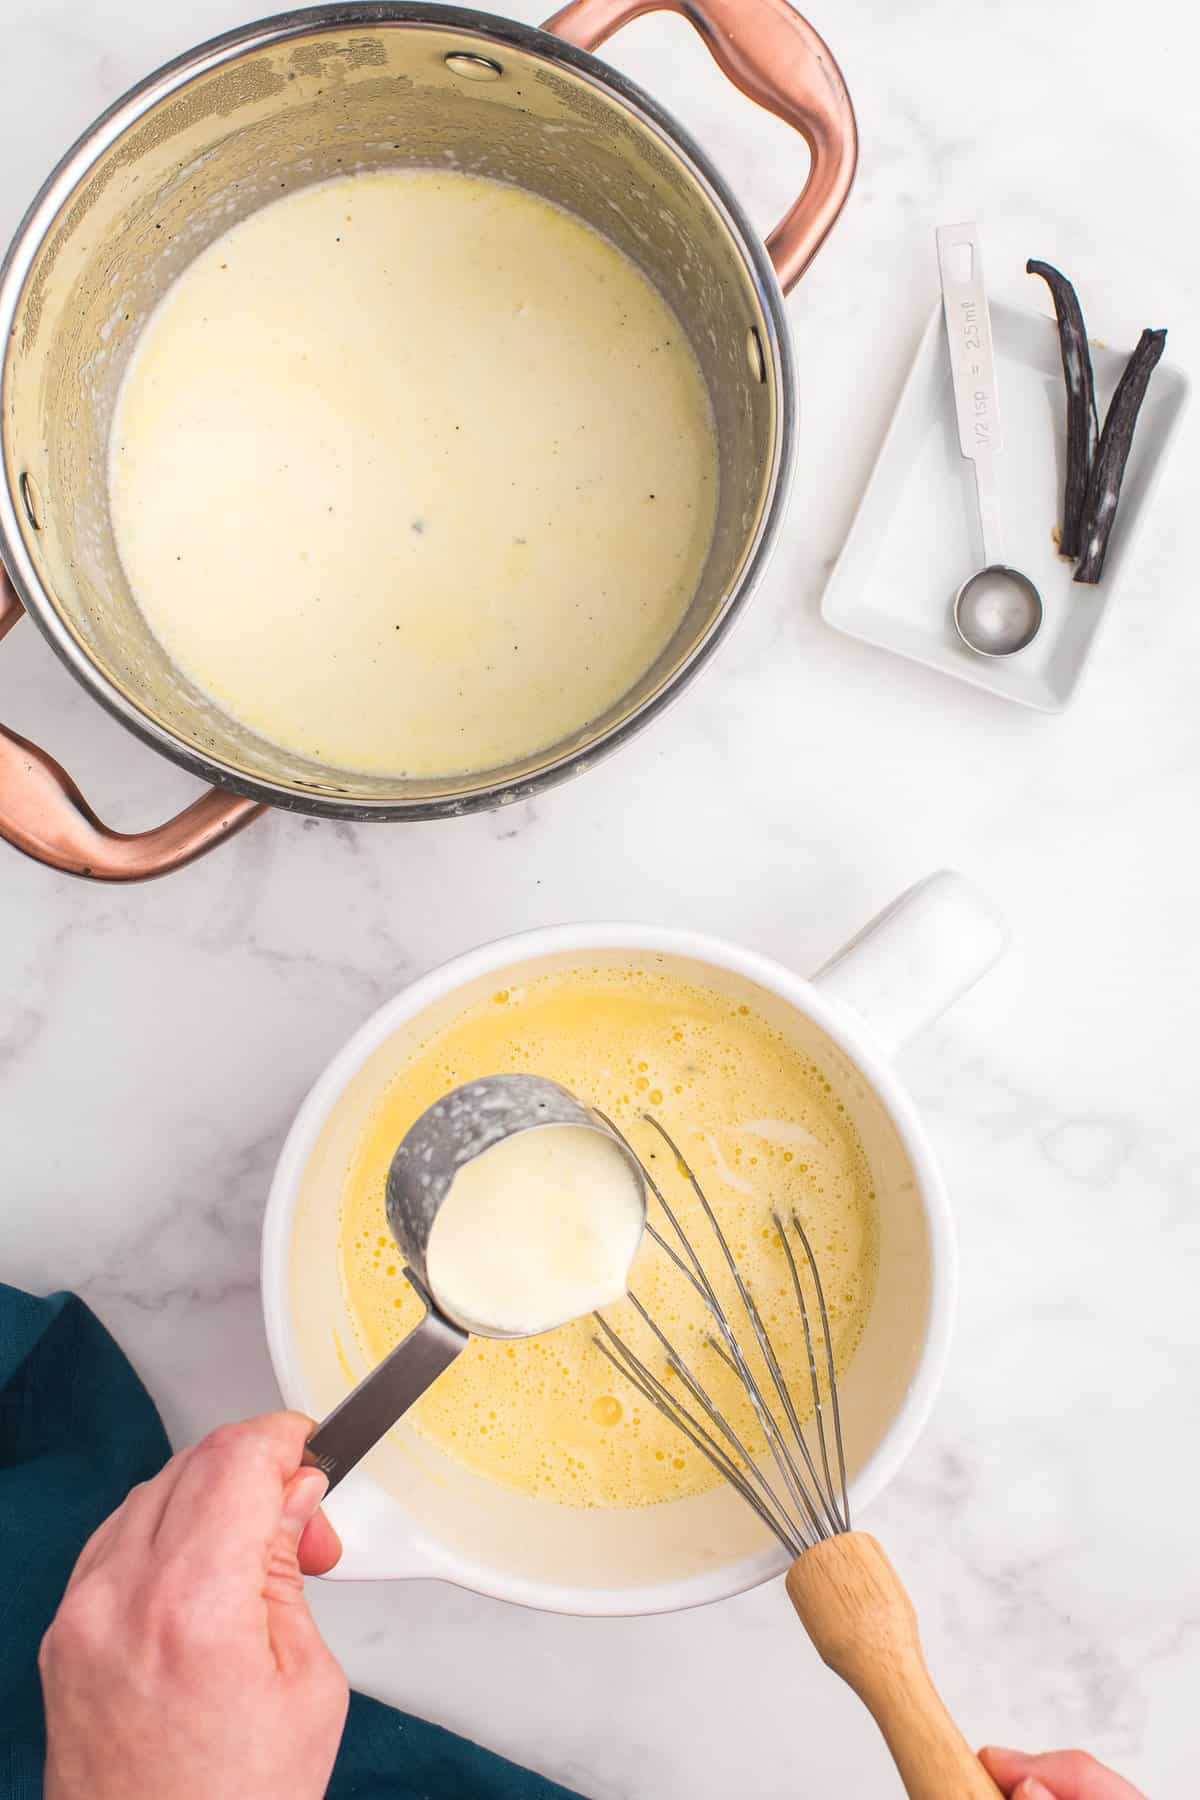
(297, 99)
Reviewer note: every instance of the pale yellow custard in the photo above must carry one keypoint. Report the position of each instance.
(414, 473)
(761, 1128)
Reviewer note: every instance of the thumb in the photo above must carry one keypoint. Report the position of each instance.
(294, 1635)
(301, 1497)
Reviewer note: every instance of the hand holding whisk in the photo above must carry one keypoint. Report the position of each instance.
(849, 1597)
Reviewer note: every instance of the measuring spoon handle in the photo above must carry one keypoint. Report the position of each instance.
(972, 370)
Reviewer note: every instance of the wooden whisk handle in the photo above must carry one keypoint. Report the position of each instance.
(855, 1610)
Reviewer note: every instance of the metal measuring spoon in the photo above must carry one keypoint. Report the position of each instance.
(454, 1131)
(997, 611)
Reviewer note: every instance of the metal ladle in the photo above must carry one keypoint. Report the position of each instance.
(997, 611)
(451, 1133)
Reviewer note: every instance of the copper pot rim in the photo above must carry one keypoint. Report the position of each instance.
(160, 84)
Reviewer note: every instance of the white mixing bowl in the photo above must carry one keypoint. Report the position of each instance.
(409, 1510)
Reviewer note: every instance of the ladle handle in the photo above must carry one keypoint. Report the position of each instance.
(777, 59)
(43, 813)
(385, 1395)
(855, 1610)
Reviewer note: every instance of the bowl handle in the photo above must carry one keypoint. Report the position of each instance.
(916, 958)
(777, 59)
(43, 813)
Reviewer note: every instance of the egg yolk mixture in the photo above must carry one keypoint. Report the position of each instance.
(763, 1131)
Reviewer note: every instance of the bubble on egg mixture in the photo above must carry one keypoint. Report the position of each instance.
(761, 1126)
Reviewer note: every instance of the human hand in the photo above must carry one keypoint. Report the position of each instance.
(183, 1662)
(1058, 1775)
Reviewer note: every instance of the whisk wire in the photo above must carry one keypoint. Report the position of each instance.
(828, 1492)
(668, 1249)
(696, 1389)
(781, 1454)
(835, 1406)
(830, 1521)
(778, 1444)
(648, 1385)
(818, 1529)
(799, 1512)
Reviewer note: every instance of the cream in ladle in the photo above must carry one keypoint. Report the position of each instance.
(540, 1229)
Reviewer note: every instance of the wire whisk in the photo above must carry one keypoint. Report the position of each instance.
(807, 1502)
(846, 1592)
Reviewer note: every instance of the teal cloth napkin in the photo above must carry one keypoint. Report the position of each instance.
(77, 1431)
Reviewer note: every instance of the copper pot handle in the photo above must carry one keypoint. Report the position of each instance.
(44, 814)
(777, 59)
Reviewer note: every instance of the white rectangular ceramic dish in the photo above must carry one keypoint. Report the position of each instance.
(915, 537)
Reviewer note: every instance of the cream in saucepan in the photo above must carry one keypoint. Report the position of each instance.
(414, 473)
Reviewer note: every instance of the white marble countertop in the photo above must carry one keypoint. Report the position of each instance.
(155, 1042)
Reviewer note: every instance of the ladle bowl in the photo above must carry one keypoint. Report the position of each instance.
(454, 1131)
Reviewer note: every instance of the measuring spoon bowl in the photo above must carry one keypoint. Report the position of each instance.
(997, 611)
